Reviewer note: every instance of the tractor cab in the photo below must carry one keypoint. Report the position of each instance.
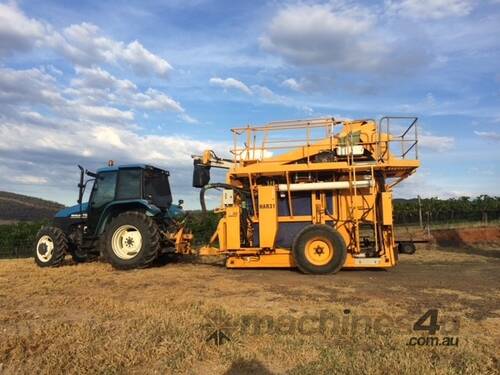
(128, 185)
(116, 187)
(138, 194)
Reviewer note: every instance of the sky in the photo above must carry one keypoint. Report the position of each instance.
(83, 82)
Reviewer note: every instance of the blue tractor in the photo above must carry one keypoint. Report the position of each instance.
(129, 220)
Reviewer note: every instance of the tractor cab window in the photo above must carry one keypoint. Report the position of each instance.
(129, 184)
(157, 188)
(104, 189)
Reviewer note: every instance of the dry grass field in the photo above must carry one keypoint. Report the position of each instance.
(89, 318)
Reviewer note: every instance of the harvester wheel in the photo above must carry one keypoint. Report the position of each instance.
(319, 249)
(51, 245)
(132, 241)
(406, 248)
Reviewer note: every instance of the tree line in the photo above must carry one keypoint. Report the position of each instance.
(434, 210)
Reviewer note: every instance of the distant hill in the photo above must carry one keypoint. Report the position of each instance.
(17, 207)
(403, 200)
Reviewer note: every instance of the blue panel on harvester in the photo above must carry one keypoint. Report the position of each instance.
(301, 204)
(329, 202)
(287, 233)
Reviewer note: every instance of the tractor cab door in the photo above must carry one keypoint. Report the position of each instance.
(102, 194)
(157, 188)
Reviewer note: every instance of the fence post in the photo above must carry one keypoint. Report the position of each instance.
(428, 224)
(420, 212)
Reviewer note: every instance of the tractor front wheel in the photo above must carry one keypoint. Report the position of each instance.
(51, 245)
(132, 241)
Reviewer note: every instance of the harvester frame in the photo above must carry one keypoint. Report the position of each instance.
(307, 201)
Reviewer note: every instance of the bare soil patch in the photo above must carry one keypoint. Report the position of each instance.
(462, 237)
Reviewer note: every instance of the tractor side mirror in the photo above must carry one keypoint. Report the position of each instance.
(80, 185)
(181, 201)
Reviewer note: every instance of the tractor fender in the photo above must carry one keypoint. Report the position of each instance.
(115, 208)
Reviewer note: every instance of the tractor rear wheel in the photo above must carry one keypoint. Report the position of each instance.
(51, 245)
(319, 249)
(132, 241)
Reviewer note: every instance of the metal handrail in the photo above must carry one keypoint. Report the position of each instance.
(254, 146)
(401, 138)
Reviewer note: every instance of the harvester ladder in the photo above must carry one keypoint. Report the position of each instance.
(357, 213)
(353, 193)
(373, 191)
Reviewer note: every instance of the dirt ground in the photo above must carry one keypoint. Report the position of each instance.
(188, 317)
(467, 237)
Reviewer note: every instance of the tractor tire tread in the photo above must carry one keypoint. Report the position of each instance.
(60, 246)
(152, 242)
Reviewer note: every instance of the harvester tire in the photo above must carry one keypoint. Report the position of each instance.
(132, 240)
(51, 246)
(319, 249)
(406, 248)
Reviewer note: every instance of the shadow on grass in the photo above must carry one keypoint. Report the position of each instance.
(243, 367)
(220, 262)
(493, 253)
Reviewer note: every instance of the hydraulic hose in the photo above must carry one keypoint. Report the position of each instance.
(216, 186)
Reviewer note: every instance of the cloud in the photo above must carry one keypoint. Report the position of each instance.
(96, 142)
(230, 83)
(82, 44)
(28, 179)
(426, 139)
(62, 142)
(422, 183)
(292, 84)
(95, 85)
(103, 113)
(48, 118)
(142, 61)
(97, 78)
(344, 36)
(154, 100)
(189, 119)
(51, 120)
(28, 86)
(491, 136)
(93, 94)
(18, 32)
(429, 9)
(263, 93)
(436, 143)
(266, 95)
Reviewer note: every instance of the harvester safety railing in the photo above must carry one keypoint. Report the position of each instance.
(251, 151)
(408, 139)
(258, 144)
